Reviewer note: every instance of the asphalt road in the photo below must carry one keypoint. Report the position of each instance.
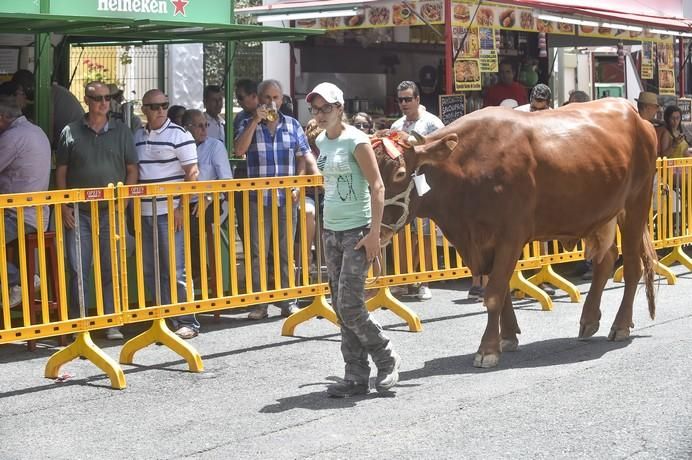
(263, 396)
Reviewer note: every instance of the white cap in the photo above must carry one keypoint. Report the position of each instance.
(329, 91)
(511, 103)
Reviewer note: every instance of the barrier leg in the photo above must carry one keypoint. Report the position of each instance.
(385, 299)
(679, 256)
(83, 346)
(159, 333)
(520, 283)
(659, 268)
(318, 307)
(547, 275)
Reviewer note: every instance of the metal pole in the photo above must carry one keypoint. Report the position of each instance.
(80, 268)
(155, 236)
(449, 49)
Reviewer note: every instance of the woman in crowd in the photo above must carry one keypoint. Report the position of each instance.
(363, 121)
(672, 143)
(352, 219)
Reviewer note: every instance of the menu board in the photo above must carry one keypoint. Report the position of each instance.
(452, 106)
(686, 109)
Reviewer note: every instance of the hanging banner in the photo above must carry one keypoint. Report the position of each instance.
(666, 82)
(647, 70)
(468, 40)
(488, 50)
(619, 34)
(467, 75)
(197, 11)
(665, 55)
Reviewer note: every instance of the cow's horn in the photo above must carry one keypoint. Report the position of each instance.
(415, 139)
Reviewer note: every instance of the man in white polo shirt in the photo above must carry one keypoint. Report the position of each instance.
(167, 153)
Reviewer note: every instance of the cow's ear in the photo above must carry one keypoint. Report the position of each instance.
(437, 150)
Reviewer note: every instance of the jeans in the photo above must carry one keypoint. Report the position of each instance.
(164, 277)
(10, 236)
(87, 259)
(268, 254)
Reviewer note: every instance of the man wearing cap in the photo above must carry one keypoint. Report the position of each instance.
(540, 99)
(275, 145)
(506, 88)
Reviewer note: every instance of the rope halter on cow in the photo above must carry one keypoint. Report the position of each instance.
(393, 145)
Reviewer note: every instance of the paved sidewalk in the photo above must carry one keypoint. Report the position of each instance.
(263, 396)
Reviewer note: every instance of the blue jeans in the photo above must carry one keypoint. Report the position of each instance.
(10, 236)
(87, 259)
(268, 254)
(164, 277)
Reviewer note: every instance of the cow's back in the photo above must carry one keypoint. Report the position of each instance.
(555, 174)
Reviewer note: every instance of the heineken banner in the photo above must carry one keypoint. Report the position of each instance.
(192, 11)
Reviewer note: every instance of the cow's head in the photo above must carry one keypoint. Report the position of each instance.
(399, 158)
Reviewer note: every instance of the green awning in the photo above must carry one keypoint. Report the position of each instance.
(117, 30)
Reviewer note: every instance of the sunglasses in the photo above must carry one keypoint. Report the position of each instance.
(157, 106)
(361, 125)
(105, 98)
(405, 99)
(324, 109)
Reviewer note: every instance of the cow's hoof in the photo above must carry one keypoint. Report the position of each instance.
(509, 344)
(588, 330)
(486, 361)
(619, 335)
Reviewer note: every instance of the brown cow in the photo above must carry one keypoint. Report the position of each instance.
(501, 178)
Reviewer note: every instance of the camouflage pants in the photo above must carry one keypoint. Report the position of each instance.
(361, 335)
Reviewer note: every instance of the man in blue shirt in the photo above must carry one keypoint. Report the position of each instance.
(275, 145)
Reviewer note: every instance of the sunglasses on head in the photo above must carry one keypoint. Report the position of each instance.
(105, 98)
(405, 99)
(157, 106)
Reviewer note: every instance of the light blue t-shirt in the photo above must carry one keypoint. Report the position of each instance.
(346, 191)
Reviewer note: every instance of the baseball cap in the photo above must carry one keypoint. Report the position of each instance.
(329, 91)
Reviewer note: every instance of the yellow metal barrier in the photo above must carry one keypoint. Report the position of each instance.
(211, 280)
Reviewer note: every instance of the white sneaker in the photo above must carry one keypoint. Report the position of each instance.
(424, 293)
(113, 333)
(15, 296)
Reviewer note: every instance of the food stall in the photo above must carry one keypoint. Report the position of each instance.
(455, 46)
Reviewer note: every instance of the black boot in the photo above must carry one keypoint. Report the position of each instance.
(347, 388)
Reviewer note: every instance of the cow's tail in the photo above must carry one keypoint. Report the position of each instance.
(649, 259)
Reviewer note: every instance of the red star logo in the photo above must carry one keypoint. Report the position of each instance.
(179, 6)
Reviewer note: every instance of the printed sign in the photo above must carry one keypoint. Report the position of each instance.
(452, 106)
(95, 194)
(666, 81)
(647, 66)
(467, 75)
(488, 51)
(137, 190)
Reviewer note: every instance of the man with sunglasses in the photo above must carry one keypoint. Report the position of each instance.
(274, 146)
(92, 153)
(416, 118)
(167, 153)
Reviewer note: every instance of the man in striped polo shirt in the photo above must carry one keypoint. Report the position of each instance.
(167, 153)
